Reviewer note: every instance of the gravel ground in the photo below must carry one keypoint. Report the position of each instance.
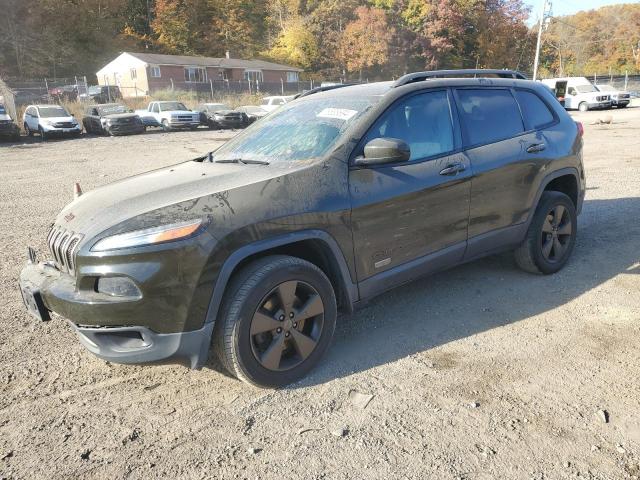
(481, 372)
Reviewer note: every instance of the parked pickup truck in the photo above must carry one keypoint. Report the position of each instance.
(581, 94)
(169, 115)
(618, 98)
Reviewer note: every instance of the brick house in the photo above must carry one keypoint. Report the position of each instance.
(139, 74)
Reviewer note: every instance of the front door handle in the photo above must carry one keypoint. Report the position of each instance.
(453, 169)
(536, 147)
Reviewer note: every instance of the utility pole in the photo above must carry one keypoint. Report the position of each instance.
(543, 16)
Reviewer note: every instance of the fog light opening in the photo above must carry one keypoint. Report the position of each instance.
(118, 287)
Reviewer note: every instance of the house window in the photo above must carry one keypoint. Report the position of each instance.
(195, 74)
(253, 75)
(155, 72)
(134, 73)
(292, 76)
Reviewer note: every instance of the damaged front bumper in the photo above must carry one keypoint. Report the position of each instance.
(46, 289)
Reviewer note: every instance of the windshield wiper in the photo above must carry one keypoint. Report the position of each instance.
(243, 161)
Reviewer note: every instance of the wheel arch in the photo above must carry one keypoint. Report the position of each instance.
(566, 183)
(315, 246)
(565, 180)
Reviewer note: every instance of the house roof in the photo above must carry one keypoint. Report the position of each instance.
(186, 60)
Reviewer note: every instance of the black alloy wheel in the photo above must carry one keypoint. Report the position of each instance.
(551, 235)
(276, 321)
(556, 234)
(287, 325)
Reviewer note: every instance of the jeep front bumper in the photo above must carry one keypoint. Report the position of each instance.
(46, 289)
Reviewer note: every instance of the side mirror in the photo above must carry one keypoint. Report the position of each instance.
(380, 151)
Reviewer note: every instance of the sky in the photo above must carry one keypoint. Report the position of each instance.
(568, 7)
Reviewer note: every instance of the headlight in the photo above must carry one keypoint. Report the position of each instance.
(148, 236)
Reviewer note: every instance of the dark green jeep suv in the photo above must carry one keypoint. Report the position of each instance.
(334, 198)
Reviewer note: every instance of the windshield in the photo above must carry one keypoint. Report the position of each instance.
(166, 106)
(94, 90)
(299, 131)
(216, 107)
(48, 112)
(112, 109)
(586, 88)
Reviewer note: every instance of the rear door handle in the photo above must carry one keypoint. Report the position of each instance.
(536, 147)
(453, 169)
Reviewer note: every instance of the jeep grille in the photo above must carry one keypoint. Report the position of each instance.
(62, 245)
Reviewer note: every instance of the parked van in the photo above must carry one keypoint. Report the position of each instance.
(581, 94)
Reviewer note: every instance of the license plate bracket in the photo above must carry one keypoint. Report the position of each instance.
(32, 299)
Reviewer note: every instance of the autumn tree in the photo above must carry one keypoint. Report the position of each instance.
(365, 41)
(296, 45)
(238, 26)
(183, 26)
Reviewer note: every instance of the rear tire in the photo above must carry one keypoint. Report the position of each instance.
(551, 235)
(583, 107)
(276, 322)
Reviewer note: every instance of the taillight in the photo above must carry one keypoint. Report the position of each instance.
(580, 128)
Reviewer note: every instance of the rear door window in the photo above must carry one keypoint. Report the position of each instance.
(489, 115)
(535, 111)
(423, 121)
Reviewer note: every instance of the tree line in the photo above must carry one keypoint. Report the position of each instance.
(329, 39)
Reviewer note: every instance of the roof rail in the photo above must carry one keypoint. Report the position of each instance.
(420, 76)
(322, 89)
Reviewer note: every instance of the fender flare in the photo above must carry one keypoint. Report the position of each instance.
(230, 264)
(547, 180)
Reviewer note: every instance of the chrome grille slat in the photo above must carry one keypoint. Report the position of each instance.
(52, 245)
(60, 250)
(62, 245)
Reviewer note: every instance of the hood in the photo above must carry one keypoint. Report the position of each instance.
(107, 206)
(58, 119)
(179, 112)
(115, 116)
(226, 112)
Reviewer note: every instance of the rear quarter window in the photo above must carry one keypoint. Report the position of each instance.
(534, 110)
(489, 115)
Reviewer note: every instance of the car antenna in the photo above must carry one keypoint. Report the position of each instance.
(77, 190)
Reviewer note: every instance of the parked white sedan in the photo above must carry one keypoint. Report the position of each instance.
(48, 120)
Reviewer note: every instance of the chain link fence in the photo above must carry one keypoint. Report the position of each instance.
(25, 92)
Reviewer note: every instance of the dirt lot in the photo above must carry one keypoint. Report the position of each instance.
(481, 372)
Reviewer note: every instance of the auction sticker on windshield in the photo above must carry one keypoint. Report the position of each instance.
(338, 113)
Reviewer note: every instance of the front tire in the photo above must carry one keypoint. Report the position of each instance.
(165, 125)
(551, 235)
(27, 130)
(43, 135)
(276, 322)
(583, 107)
